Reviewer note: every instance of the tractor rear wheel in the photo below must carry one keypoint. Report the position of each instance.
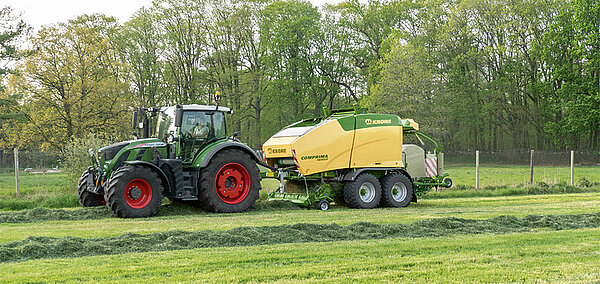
(364, 192)
(134, 191)
(397, 190)
(230, 182)
(86, 198)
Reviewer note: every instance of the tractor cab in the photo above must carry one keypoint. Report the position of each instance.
(189, 129)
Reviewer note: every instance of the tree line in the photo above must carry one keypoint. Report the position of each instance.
(476, 74)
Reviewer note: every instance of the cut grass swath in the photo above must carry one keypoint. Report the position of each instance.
(91, 213)
(48, 247)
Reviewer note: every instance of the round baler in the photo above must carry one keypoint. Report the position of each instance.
(355, 157)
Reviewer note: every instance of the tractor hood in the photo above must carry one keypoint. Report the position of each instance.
(107, 153)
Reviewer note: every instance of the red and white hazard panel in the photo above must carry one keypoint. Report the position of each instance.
(431, 166)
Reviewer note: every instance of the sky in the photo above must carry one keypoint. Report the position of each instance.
(38, 13)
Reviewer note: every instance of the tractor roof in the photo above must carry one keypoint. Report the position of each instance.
(206, 107)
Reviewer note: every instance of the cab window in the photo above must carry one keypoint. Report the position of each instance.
(198, 129)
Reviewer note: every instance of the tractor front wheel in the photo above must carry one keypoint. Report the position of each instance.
(364, 192)
(230, 182)
(86, 198)
(134, 191)
(397, 190)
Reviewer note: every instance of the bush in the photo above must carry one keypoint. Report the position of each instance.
(76, 158)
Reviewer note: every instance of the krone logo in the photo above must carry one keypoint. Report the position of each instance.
(369, 121)
(275, 151)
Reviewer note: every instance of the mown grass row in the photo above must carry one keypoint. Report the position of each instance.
(568, 256)
(49, 247)
(92, 213)
(69, 200)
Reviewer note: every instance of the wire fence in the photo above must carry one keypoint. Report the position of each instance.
(30, 161)
(39, 175)
(40, 172)
(522, 157)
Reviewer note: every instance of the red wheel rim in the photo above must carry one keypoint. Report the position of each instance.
(138, 193)
(232, 183)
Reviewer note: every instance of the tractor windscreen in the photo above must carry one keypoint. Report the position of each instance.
(165, 123)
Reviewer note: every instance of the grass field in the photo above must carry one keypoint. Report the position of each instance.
(472, 208)
(495, 175)
(466, 235)
(538, 254)
(35, 185)
(563, 256)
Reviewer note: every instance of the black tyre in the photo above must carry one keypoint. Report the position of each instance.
(322, 205)
(134, 191)
(230, 183)
(396, 189)
(448, 182)
(364, 192)
(86, 198)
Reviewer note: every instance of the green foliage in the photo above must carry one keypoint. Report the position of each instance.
(490, 75)
(11, 31)
(72, 83)
(77, 159)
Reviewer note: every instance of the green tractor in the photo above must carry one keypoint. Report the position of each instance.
(192, 159)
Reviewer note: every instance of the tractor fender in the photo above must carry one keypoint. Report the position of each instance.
(351, 176)
(228, 145)
(159, 171)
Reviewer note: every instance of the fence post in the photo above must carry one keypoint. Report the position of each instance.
(17, 172)
(531, 168)
(476, 169)
(572, 162)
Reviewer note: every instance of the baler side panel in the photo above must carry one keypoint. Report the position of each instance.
(327, 147)
(279, 147)
(378, 142)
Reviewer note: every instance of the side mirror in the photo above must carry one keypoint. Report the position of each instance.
(135, 118)
(178, 115)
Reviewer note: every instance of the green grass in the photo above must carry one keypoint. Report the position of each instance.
(468, 208)
(33, 185)
(495, 175)
(51, 190)
(46, 247)
(557, 256)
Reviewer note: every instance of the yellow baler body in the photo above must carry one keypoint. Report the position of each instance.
(356, 141)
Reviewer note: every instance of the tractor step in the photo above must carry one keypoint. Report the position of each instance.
(189, 198)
